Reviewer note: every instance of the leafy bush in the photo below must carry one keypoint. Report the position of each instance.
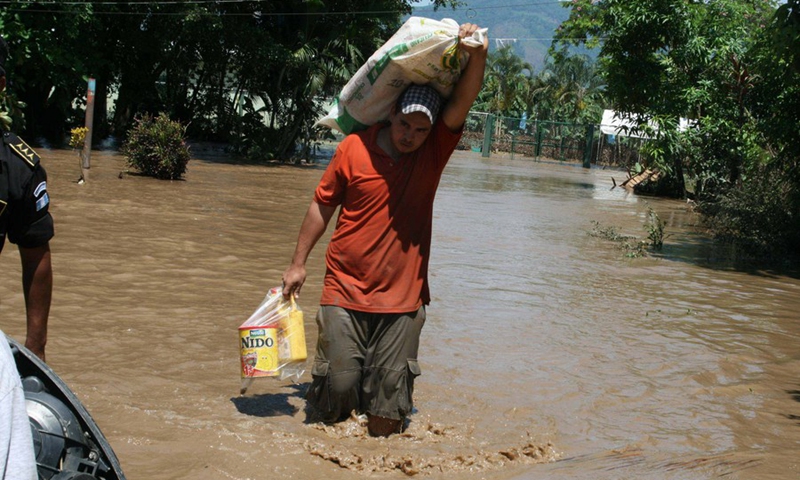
(655, 229)
(77, 137)
(254, 139)
(761, 219)
(11, 111)
(156, 147)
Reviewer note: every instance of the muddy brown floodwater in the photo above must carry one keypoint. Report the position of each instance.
(547, 353)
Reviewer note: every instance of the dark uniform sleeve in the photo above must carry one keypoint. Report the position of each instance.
(29, 223)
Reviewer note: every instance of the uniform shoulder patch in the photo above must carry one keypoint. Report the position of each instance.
(22, 149)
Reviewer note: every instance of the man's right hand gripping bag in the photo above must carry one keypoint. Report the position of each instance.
(422, 51)
(272, 342)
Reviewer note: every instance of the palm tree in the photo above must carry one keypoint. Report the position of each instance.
(571, 88)
(317, 71)
(505, 82)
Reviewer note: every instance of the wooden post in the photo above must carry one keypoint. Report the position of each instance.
(539, 138)
(87, 141)
(587, 149)
(487, 136)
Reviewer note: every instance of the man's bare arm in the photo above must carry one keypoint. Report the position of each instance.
(314, 225)
(37, 286)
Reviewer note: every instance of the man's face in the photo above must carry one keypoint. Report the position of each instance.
(409, 130)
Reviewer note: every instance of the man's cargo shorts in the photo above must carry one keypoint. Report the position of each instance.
(365, 362)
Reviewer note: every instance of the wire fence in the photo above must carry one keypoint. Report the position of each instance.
(548, 140)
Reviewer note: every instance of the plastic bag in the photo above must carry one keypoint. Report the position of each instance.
(422, 51)
(272, 341)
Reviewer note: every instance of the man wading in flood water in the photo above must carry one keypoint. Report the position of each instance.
(376, 284)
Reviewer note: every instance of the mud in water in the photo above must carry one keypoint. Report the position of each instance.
(547, 353)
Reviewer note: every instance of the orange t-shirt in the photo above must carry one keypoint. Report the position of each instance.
(377, 259)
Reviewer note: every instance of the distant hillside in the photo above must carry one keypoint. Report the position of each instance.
(529, 24)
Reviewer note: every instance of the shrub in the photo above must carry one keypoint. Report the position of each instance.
(156, 147)
(11, 111)
(634, 247)
(655, 229)
(760, 219)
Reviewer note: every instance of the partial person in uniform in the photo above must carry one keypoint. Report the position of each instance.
(17, 457)
(376, 284)
(25, 219)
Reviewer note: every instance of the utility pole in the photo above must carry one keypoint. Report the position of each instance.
(87, 141)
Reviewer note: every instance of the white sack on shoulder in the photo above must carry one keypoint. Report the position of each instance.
(422, 51)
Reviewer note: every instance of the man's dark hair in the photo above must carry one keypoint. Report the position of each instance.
(3, 55)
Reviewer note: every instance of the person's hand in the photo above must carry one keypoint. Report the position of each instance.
(466, 30)
(293, 279)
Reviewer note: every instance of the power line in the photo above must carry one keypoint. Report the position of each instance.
(210, 13)
(200, 2)
(495, 7)
(216, 2)
(160, 2)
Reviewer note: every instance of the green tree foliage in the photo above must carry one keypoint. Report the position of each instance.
(10, 111)
(568, 88)
(507, 79)
(46, 62)
(728, 65)
(249, 72)
(774, 101)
